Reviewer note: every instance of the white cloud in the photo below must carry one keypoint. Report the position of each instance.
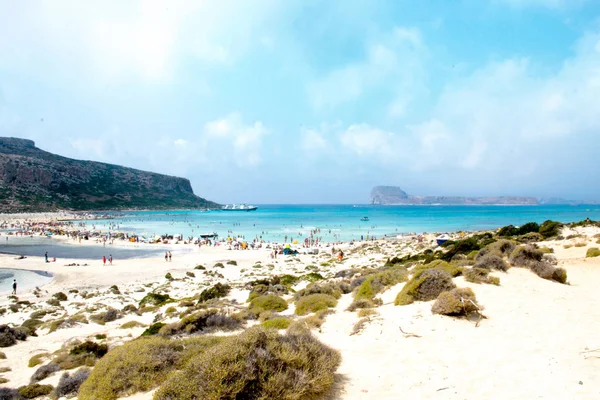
(367, 141)
(312, 141)
(393, 63)
(230, 132)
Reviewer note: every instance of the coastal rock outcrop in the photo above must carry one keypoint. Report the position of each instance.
(394, 195)
(33, 180)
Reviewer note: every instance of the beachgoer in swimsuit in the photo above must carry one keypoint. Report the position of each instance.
(166, 256)
(110, 259)
(170, 255)
(104, 260)
(46, 256)
(14, 286)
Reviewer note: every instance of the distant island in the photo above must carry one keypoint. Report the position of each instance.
(394, 195)
(33, 180)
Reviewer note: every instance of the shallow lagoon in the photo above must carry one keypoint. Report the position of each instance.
(26, 279)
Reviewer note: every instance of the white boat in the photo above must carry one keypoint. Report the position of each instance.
(241, 207)
(364, 219)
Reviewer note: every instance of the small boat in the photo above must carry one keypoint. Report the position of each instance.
(241, 207)
(442, 239)
(364, 219)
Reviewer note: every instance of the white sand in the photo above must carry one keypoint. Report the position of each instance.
(540, 339)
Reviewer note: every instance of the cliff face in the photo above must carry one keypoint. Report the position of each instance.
(395, 195)
(34, 180)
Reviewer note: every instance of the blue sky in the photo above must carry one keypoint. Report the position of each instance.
(310, 101)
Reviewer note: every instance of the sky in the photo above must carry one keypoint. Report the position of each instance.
(289, 101)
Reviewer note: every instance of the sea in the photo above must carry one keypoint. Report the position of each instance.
(331, 223)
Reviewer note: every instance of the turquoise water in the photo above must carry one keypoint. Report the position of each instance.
(342, 222)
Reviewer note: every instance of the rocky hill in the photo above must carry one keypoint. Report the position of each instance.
(35, 180)
(395, 195)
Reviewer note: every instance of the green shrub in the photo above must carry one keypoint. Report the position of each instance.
(217, 291)
(37, 359)
(361, 303)
(156, 299)
(550, 228)
(168, 276)
(560, 275)
(476, 275)
(2, 355)
(88, 347)
(490, 262)
(547, 271)
(32, 324)
(140, 365)
(53, 302)
(153, 329)
(592, 252)
(425, 286)
(314, 303)
(257, 364)
(60, 296)
(129, 308)
(200, 267)
(219, 265)
(523, 256)
(35, 390)
(277, 323)
(313, 277)
(366, 312)
(106, 316)
(508, 230)
(580, 244)
(202, 321)
(365, 290)
(38, 314)
(267, 303)
(232, 262)
(320, 288)
(131, 325)
(439, 265)
(530, 237)
(459, 301)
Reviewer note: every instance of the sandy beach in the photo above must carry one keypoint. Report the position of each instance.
(537, 340)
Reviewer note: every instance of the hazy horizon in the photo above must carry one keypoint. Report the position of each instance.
(314, 102)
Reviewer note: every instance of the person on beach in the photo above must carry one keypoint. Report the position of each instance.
(170, 255)
(46, 256)
(340, 255)
(110, 259)
(14, 286)
(166, 256)
(104, 260)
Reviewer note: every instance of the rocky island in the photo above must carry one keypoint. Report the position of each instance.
(33, 180)
(390, 195)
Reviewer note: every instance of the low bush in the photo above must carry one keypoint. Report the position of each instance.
(366, 312)
(425, 286)
(89, 347)
(547, 271)
(60, 296)
(69, 384)
(200, 267)
(439, 265)
(219, 265)
(106, 316)
(550, 229)
(156, 299)
(140, 365)
(232, 262)
(38, 314)
(476, 275)
(130, 308)
(37, 359)
(361, 303)
(44, 371)
(131, 325)
(314, 303)
(217, 291)
(168, 276)
(490, 262)
(523, 256)
(267, 303)
(580, 244)
(277, 323)
(153, 329)
(530, 237)
(190, 274)
(456, 302)
(329, 288)
(35, 390)
(592, 252)
(202, 321)
(560, 275)
(2, 355)
(257, 364)
(9, 335)
(8, 393)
